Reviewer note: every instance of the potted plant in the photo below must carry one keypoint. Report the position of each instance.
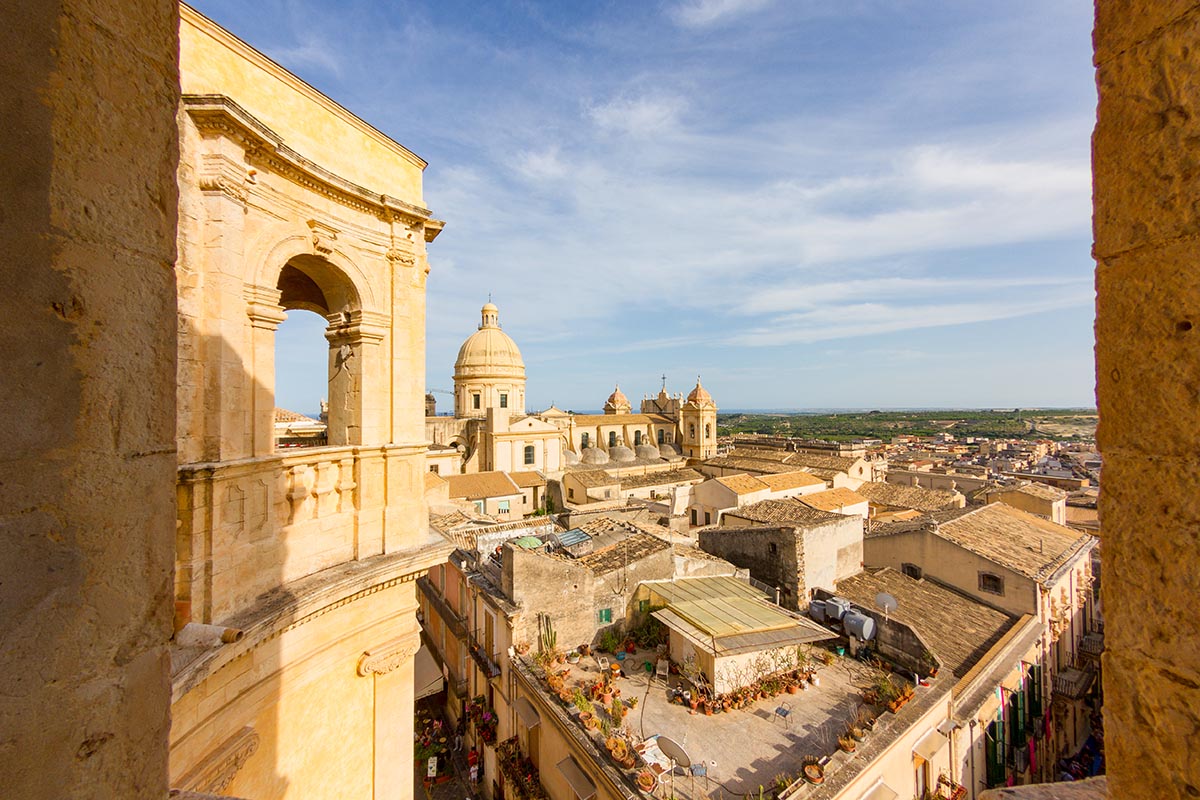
(573, 657)
(585, 649)
(846, 743)
(813, 771)
(646, 781)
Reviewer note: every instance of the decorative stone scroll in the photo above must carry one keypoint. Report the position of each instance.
(388, 656)
(216, 771)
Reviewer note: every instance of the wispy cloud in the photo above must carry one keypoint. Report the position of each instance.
(701, 13)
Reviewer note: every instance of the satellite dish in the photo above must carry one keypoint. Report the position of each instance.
(886, 603)
(674, 751)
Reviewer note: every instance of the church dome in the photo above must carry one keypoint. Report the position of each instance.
(489, 351)
(594, 455)
(571, 457)
(617, 402)
(666, 450)
(647, 451)
(700, 395)
(621, 453)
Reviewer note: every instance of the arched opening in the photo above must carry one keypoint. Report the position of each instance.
(301, 357)
(612, 438)
(319, 354)
(637, 438)
(662, 436)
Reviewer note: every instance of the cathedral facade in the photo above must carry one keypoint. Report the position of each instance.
(491, 430)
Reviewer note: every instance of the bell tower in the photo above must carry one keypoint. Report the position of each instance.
(698, 424)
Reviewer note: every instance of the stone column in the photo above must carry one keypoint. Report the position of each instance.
(88, 199)
(357, 386)
(1145, 152)
(390, 666)
(265, 317)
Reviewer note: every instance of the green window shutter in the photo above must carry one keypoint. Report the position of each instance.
(643, 606)
(994, 755)
(1016, 719)
(605, 615)
(1035, 692)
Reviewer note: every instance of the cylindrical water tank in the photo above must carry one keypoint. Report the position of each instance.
(859, 625)
(836, 608)
(816, 610)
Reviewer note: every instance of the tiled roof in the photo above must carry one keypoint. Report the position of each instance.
(782, 456)
(592, 420)
(742, 484)
(283, 415)
(958, 629)
(1040, 491)
(1025, 543)
(526, 480)
(593, 478)
(433, 481)
(839, 463)
(789, 511)
(914, 497)
(632, 548)
(782, 481)
(479, 485)
(747, 464)
(832, 499)
(660, 478)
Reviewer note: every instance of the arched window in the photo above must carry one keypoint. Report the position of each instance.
(584, 440)
(637, 438)
(662, 436)
(612, 438)
(301, 362)
(692, 431)
(707, 432)
(529, 454)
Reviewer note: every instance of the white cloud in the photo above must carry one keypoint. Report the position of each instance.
(638, 116)
(701, 13)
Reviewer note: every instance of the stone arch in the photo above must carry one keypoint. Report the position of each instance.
(330, 267)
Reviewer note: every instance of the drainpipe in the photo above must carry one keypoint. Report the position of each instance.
(971, 745)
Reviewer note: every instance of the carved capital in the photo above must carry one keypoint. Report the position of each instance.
(323, 236)
(216, 771)
(397, 256)
(388, 656)
(220, 174)
(262, 306)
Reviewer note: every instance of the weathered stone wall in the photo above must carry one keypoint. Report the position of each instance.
(88, 92)
(751, 548)
(1146, 165)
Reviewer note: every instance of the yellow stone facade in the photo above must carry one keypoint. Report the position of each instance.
(287, 201)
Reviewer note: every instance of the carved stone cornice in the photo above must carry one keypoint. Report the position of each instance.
(221, 174)
(216, 771)
(262, 306)
(323, 237)
(389, 656)
(219, 115)
(395, 255)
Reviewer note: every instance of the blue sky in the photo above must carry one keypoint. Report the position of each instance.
(811, 204)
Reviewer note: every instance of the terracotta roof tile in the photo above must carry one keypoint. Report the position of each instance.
(782, 481)
(742, 484)
(660, 478)
(526, 480)
(832, 499)
(788, 511)
(479, 485)
(914, 497)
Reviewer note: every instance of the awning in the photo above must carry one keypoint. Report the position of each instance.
(527, 712)
(880, 791)
(580, 783)
(929, 745)
(427, 676)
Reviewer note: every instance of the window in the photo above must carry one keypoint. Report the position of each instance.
(503, 400)
(584, 439)
(691, 431)
(612, 438)
(694, 517)
(707, 432)
(707, 518)
(479, 506)
(605, 616)
(502, 506)
(637, 438)
(643, 606)
(911, 570)
(433, 468)
(528, 454)
(571, 493)
(773, 549)
(662, 436)
(992, 584)
(475, 400)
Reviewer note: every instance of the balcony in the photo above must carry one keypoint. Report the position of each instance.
(454, 623)
(489, 664)
(1091, 646)
(1073, 683)
(521, 779)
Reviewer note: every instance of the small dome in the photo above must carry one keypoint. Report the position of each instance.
(699, 395)
(620, 453)
(571, 457)
(647, 451)
(666, 450)
(594, 455)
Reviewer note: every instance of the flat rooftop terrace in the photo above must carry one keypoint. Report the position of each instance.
(741, 749)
